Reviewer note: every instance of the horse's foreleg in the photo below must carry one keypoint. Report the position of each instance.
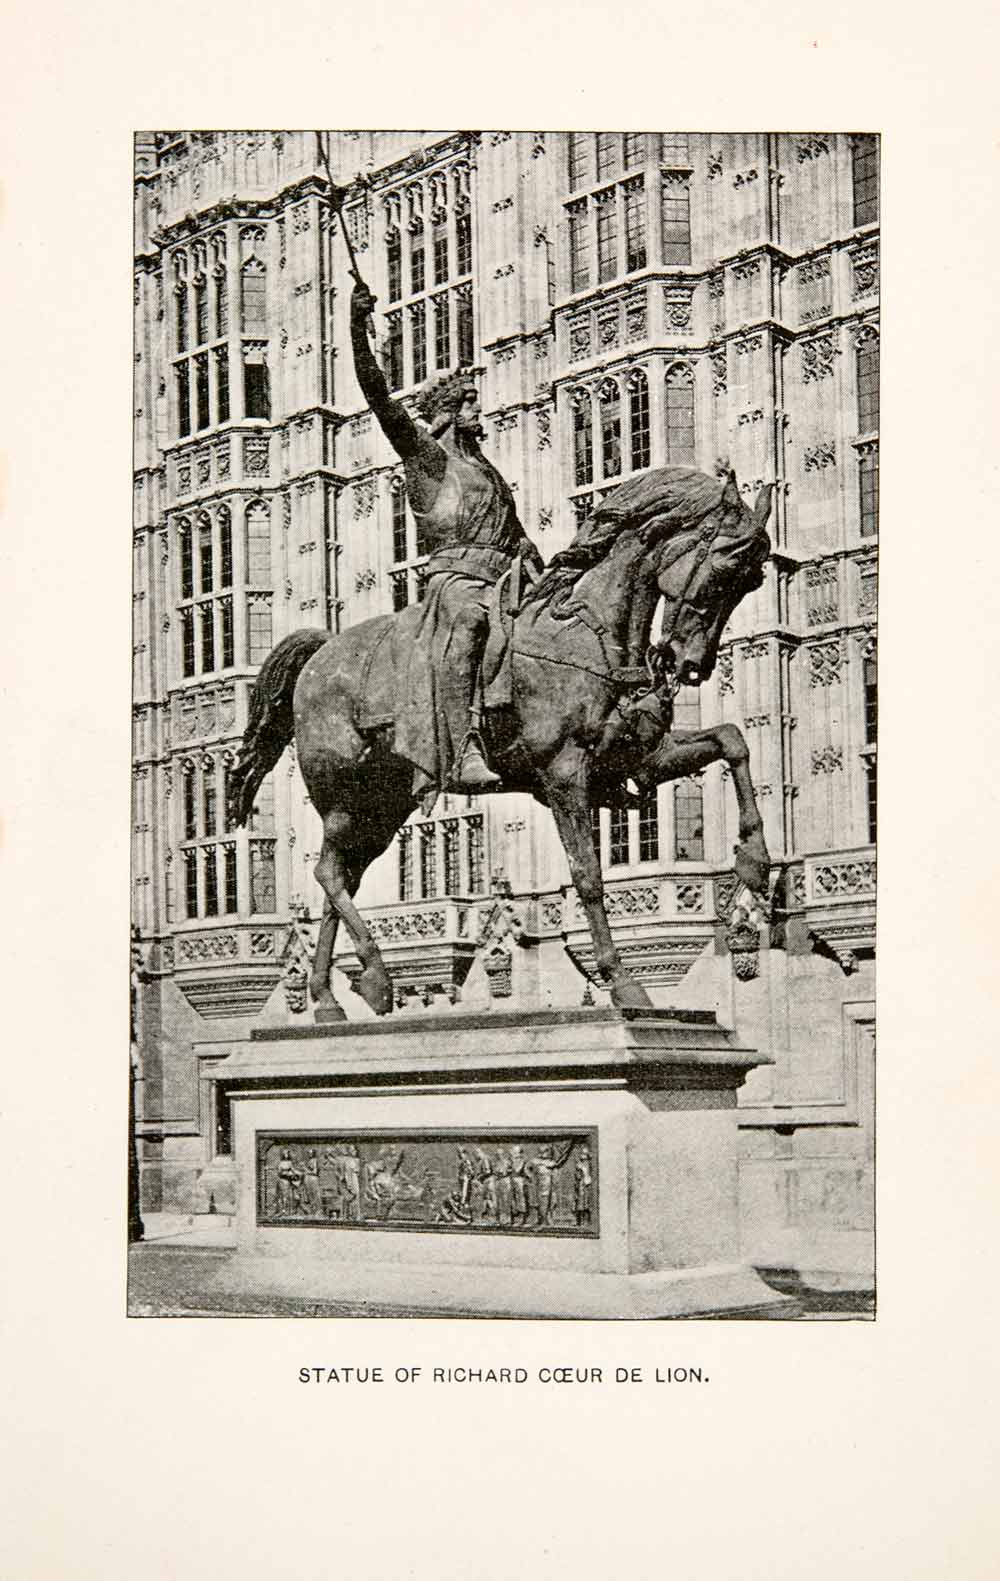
(339, 877)
(690, 751)
(567, 796)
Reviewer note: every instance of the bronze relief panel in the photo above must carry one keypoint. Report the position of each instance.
(485, 1182)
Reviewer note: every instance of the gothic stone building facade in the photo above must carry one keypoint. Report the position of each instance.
(633, 300)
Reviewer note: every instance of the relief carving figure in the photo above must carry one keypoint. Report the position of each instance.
(311, 1200)
(480, 1183)
(544, 1167)
(350, 1166)
(504, 1189)
(583, 1183)
(518, 1185)
(287, 1179)
(577, 693)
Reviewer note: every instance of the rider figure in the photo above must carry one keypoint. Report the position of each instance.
(466, 513)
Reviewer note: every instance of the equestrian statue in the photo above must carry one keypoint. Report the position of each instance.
(509, 675)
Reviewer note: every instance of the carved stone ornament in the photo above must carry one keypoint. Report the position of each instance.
(364, 498)
(818, 357)
(719, 373)
(295, 959)
(579, 339)
(493, 1181)
(677, 306)
(818, 456)
(743, 943)
(255, 457)
(865, 265)
(825, 760)
(825, 661)
(811, 147)
(635, 318)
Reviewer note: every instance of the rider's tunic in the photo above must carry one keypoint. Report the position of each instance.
(472, 531)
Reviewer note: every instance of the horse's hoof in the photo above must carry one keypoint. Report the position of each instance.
(752, 864)
(375, 988)
(630, 995)
(328, 1012)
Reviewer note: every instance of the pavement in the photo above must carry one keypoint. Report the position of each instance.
(190, 1268)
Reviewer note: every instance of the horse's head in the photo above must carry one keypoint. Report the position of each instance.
(702, 573)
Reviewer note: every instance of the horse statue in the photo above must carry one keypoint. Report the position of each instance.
(579, 704)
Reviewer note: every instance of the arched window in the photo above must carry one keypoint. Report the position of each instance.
(253, 296)
(638, 420)
(221, 355)
(635, 225)
(618, 837)
(181, 301)
(418, 340)
(580, 148)
(440, 243)
(867, 367)
(606, 207)
(256, 385)
(258, 545)
(442, 332)
(189, 801)
(209, 798)
(221, 301)
(225, 547)
(649, 828)
(417, 270)
(394, 265)
(611, 428)
(689, 830)
(182, 375)
(186, 558)
(583, 440)
(201, 390)
(680, 416)
(400, 544)
(864, 171)
(463, 239)
(675, 217)
(206, 556)
(608, 154)
(200, 309)
(405, 867)
(464, 326)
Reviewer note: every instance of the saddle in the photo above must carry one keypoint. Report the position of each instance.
(495, 667)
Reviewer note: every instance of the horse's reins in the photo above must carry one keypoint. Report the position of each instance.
(635, 675)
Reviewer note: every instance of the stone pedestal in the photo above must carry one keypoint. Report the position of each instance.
(548, 1163)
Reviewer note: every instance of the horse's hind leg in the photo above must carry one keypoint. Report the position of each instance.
(339, 871)
(319, 981)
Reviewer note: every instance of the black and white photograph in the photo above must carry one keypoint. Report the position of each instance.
(504, 724)
(461, 662)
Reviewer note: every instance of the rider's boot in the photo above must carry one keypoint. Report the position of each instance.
(471, 773)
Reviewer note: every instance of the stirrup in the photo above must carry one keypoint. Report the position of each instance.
(473, 773)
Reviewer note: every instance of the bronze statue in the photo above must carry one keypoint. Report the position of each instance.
(466, 513)
(580, 704)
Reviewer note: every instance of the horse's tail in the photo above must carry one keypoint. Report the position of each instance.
(270, 726)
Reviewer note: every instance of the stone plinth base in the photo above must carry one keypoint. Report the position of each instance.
(565, 1164)
(437, 1290)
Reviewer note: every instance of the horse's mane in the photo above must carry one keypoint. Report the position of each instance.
(665, 501)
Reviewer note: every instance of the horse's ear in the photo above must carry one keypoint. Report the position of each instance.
(731, 493)
(762, 507)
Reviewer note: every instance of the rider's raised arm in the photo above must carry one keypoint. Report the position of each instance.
(409, 442)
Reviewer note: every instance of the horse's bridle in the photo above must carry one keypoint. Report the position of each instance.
(655, 651)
